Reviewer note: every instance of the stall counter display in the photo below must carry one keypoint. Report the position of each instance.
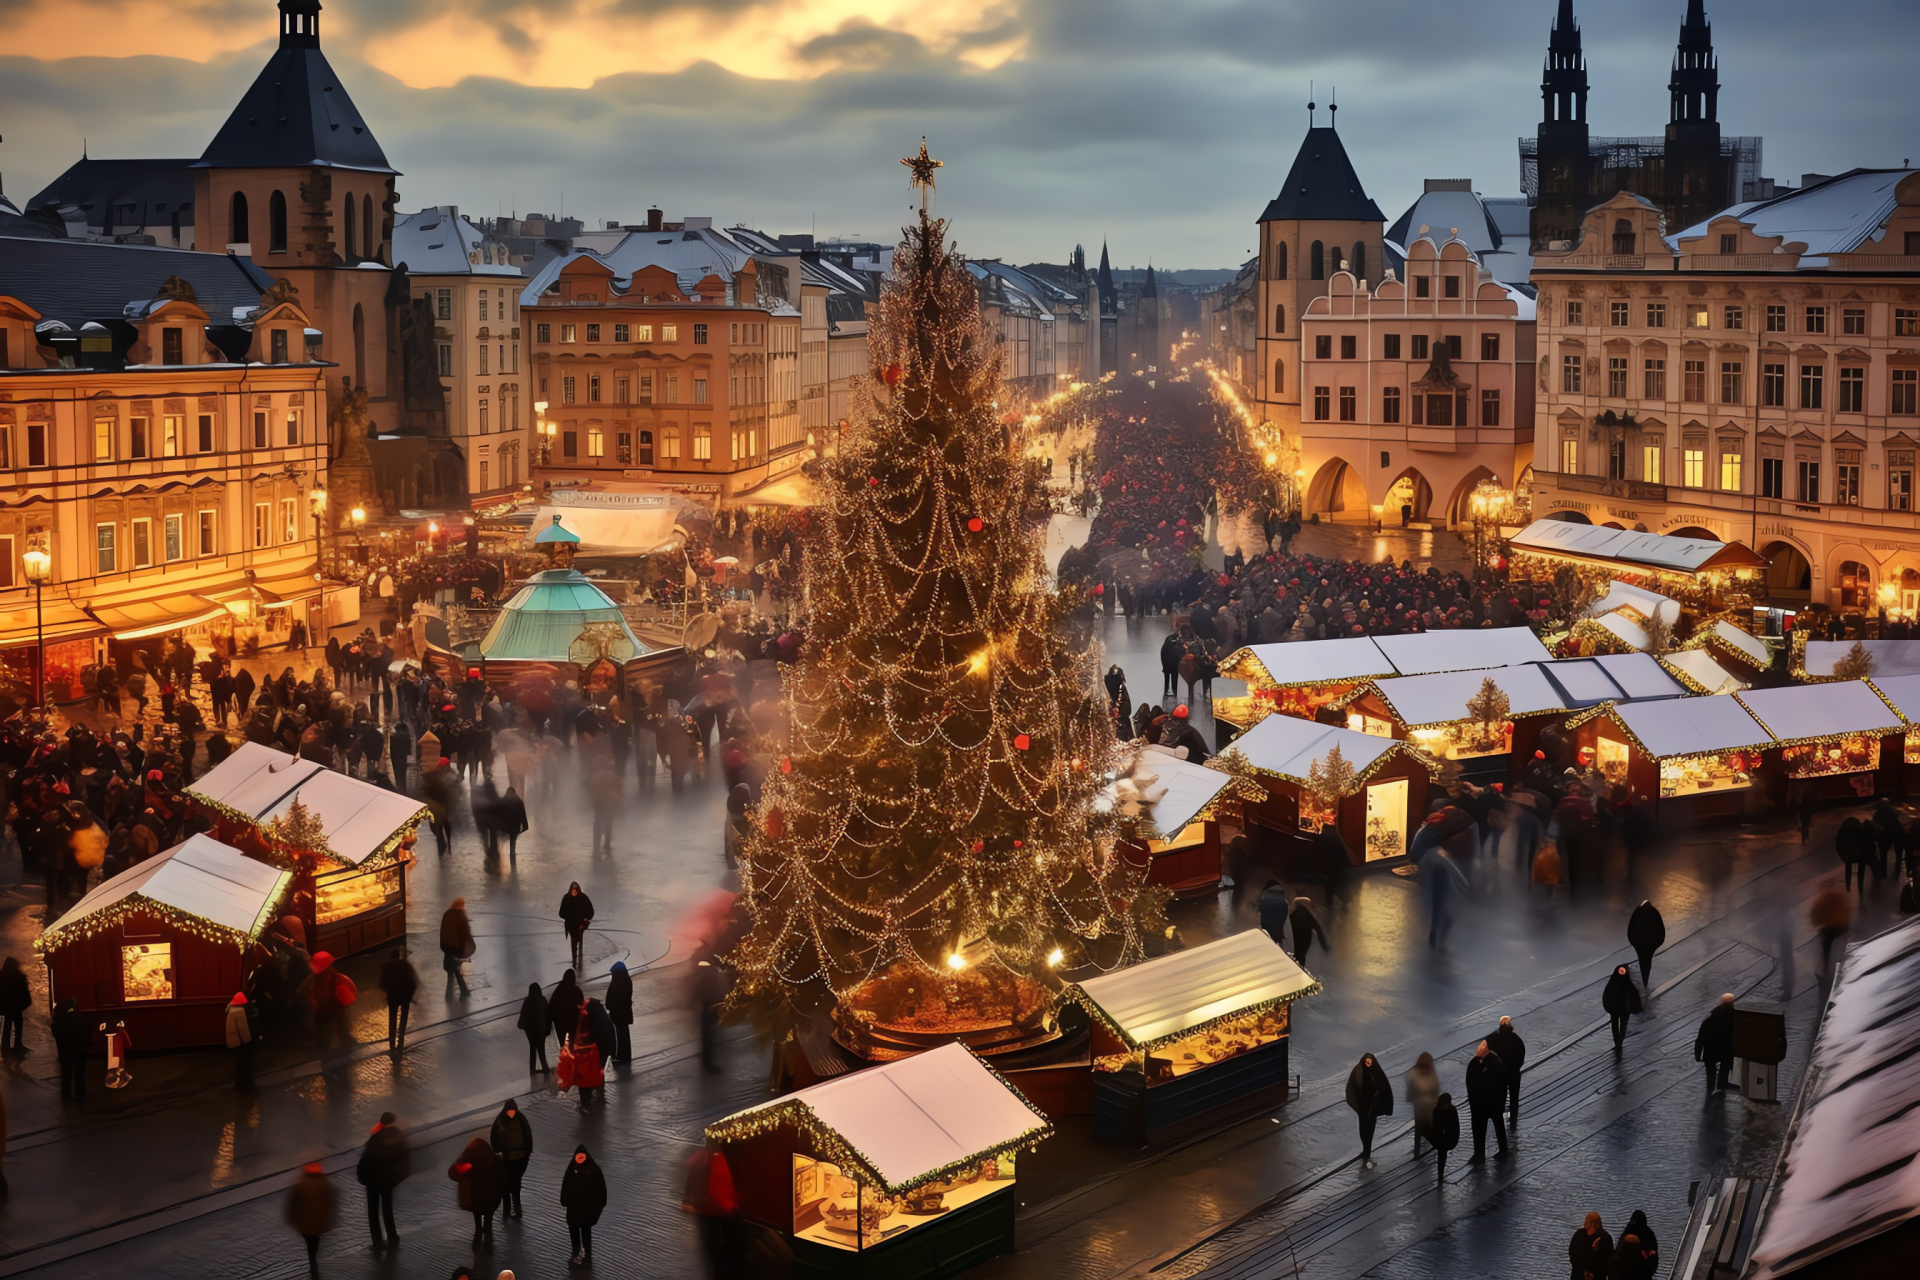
(1856, 754)
(1466, 740)
(1698, 775)
(835, 1208)
(1220, 1043)
(358, 891)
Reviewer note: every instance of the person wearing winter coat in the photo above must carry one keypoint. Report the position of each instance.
(1306, 927)
(1590, 1250)
(510, 820)
(1713, 1045)
(563, 1006)
(1370, 1096)
(1444, 1131)
(583, 1194)
(72, 1036)
(1621, 1000)
(535, 1024)
(477, 1174)
(1274, 906)
(401, 982)
(1423, 1091)
(1506, 1042)
(1646, 931)
(16, 997)
(1486, 1095)
(620, 1009)
(512, 1142)
(1628, 1262)
(1638, 1228)
(456, 945)
(589, 1071)
(385, 1162)
(333, 994)
(576, 914)
(240, 1041)
(310, 1210)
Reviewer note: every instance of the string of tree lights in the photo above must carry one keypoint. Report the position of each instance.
(929, 851)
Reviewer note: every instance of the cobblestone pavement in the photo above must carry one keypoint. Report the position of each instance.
(176, 1176)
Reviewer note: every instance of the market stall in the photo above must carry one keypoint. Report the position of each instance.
(164, 945)
(1420, 653)
(1367, 789)
(1299, 679)
(1829, 737)
(1175, 833)
(900, 1171)
(1697, 670)
(1701, 575)
(1697, 758)
(1616, 677)
(1191, 1038)
(1744, 655)
(1816, 659)
(1479, 718)
(349, 843)
(1902, 693)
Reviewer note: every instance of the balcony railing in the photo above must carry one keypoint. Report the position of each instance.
(1637, 490)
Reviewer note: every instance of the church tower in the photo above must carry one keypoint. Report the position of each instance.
(1321, 221)
(1565, 174)
(1698, 180)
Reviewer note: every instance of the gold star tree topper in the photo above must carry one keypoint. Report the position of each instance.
(921, 167)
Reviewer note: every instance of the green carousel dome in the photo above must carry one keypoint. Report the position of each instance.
(560, 616)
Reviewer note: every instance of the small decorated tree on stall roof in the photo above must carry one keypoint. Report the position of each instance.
(1328, 781)
(1489, 710)
(1855, 664)
(301, 835)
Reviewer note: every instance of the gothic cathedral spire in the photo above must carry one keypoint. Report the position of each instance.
(1695, 86)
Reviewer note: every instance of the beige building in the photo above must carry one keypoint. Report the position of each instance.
(1754, 377)
(1416, 390)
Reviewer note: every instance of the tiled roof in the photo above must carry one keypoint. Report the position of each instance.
(296, 115)
(80, 280)
(1322, 186)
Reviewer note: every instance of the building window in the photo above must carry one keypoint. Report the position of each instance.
(1322, 404)
(1853, 390)
(208, 545)
(1853, 320)
(237, 219)
(670, 444)
(1809, 477)
(699, 335)
(1905, 392)
(1623, 237)
(569, 444)
(103, 432)
(277, 346)
(1693, 377)
(277, 223)
(1730, 243)
(1280, 260)
(142, 543)
(1423, 286)
(1656, 315)
(567, 389)
(1846, 478)
(1617, 377)
(483, 358)
(1390, 347)
(172, 427)
(646, 388)
(446, 359)
(293, 427)
(1656, 380)
(1616, 459)
(172, 347)
(1317, 261)
(622, 333)
(1777, 318)
(1323, 346)
(593, 388)
(569, 333)
(699, 390)
(172, 539)
(593, 333)
(1730, 472)
(670, 388)
(1349, 405)
(483, 295)
(669, 333)
(1279, 320)
(1418, 346)
(483, 418)
(1618, 314)
(702, 442)
(1736, 317)
(484, 482)
(1490, 408)
(1773, 386)
(646, 449)
(1697, 318)
(1650, 462)
(1900, 479)
(1570, 457)
(622, 390)
(1349, 347)
(106, 552)
(1489, 346)
(1732, 375)
(1570, 375)
(1440, 411)
(37, 455)
(1906, 322)
(1773, 477)
(1816, 319)
(289, 521)
(1453, 346)
(1693, 467)
(1576, 313)
(205, 442)
(1813, 386)
(596, 443)
(443, 304)
(1390, 405)
(6, 448)
(1451, 287)
(643, 333)
(543, 332)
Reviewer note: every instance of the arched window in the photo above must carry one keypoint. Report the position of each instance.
(348, 245)
(1623, 236)
(1279, 377)
(277, 223)
(359, 346)
(1280, 319)
(1360, 259)
(366, 225)
(237, 233)
(1856, 585)
(1280, 261)
(1317, 262)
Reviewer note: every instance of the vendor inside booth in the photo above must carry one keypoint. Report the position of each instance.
(1191, 1038)
(1324, 782)
(1479, 718)
(900, 1171)
(1696, 757)
(163, 946)
(1174, 831)
(349, 842)
(1829, 735)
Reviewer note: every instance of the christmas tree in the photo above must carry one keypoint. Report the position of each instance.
(929, 851)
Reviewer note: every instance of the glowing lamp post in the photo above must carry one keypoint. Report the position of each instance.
(37, 564)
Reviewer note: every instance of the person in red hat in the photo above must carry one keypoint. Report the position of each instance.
(240, 1040)
(333, 994)
(310, 1210)
(1179, 732)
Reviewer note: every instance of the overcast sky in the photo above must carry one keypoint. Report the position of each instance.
(1163, 126)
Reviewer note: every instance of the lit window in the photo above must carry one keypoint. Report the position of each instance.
(207, 545)
(103, 439)
(1730, 472)
(293, 426)
(702, 442)
(146, 971)
(643, 333)
(596, 443)
(1570, 457)
(289, 521)
(262, 523)
(568, 333)
(1650, 462)
(669, 333)
(106, 547)
(1693, 468)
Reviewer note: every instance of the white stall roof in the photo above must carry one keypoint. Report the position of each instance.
(1699, 666)
(1422, 652)
(1750, 649)
(1317, 661)
(1903, 692)
(1626, 631)
(1850, 1170)
(1821, 710)
(1648, 604)
(1890, 657)
(262, 783)
(1164, 998)
(1692, 726)
(1443, 696)
(1289, 747)
(1190, 788)
(1597, 542)
(1585, 682)
(201, 878)
(921, 1115)
(1640, 675)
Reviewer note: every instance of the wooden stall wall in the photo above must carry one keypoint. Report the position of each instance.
(205, 976)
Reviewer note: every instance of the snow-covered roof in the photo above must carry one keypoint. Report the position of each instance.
(1903, 692)
(1625, 630)
(1648, 604)
(1597, 542)
(261, 783)
(1748, 648)
(692, 256)
(1850, 1168)
(1698, 666)
(1167, 997)
(440, 242)
(1421, 652)
(1442, 697)
(1840, 215)
(1692, 726)
(1289, 747)
(1794, 713)
(1190, 788)
(908, 1120)
(1312, 661)
(1890, 657)
(1614, 677)
(201, 878)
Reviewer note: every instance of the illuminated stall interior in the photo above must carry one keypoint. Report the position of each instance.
(1702, 576)
(1380, 795)
(1434, 711)
(1827, 731)
(1700, 753)
(1902, 693)
(1298, 679)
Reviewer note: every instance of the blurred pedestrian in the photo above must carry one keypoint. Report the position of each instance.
(240, 1041)
(576, 915)
(1832, 914)
(1621, 1000)
(477, 1175)
(1713, 1044)
(620, 1009)
(72, 1036)
(401, 982)
(1646, 932)
(512, 1142)
(456, 945)
(1638, 1228)
(536, 1024)
(1590, 1250)
(563, 1006)
(510, 820)
(333, 994)
(1369, 1096)
(1506, 1042)
(1306, 927)
(1275, 906)
(385, 1162)
(310, 1210)
(710, 1197)
(1423, 1091)
(1444, 1131)
(710, 983)
(16, 997)
(1486, 1095)
(583, 1194)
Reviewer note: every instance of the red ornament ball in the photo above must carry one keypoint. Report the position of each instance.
(776, 823)
(1021, 742)
(1099, 588)
(975, 525)
(1019, 844)
(786, 764)
(979, 845)
(873, 482)
(893, 375)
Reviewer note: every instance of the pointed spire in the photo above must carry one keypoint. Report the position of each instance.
(1695, 85)
(1566, 29)
(1696, 22)
(1322, 185)
(1153, 288)
(1106, 273)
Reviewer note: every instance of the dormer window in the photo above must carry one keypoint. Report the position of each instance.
(277, 346)
(172, 346)
(1623, 236)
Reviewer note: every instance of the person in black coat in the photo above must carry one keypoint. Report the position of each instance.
(15, 999)
(1646, 931)
(1649, 1246)
(1306, 927)
(399, 751)
(1274, 905)
(401, 982)
(510, 820)
(1486, 1094)
(72, 1036)
(536, 1022)
(620, 1009)
(1621, 1000)
(576, 913)
(583, 1194)
(512, 1142)
(1444, 1131)
(1171, 651)
(1714, 1044)
(385, 1162)
(1370, 1095)
(563, 1006)
(1590, 1250)
(1512, 1050)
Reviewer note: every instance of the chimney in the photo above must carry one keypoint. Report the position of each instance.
(654, 218)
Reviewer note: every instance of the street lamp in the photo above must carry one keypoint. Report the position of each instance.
(543, 429)
(37, 563)
(359, 517)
